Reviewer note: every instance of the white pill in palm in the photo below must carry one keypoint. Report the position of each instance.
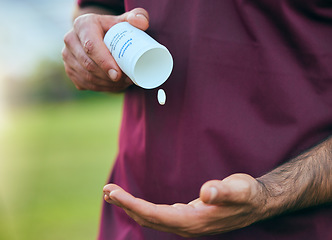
(161, 96)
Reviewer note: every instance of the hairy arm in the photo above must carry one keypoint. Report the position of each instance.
(302, 182)
(238, 200)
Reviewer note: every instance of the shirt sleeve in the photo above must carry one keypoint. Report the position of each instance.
(114, 5)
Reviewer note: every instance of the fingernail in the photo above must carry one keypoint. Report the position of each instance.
(139, 15)
(111, 195)
(113, 74)
(213, 193)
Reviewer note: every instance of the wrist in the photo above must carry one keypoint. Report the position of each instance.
(279, 197)
(271, 195)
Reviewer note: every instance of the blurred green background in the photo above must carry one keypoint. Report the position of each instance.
(57, 144)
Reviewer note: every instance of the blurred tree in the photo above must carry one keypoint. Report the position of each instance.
(47, 83)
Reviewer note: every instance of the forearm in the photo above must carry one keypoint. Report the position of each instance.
(302, 182)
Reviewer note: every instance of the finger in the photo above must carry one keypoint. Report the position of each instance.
(100, 85)
(82, 78)
(183, 219)
(176, 218)
(195, 201)
(68, 60)
(90, 34)
(72, 75)
(150, 223)
(153, 224)
(108, 199)
(137, 17)
(154, 214)
(91, 29)
(74, 46)
(235, 189)
(110, 187)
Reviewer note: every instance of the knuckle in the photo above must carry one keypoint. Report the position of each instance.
(89, 65)
(70, 73)
(67, 38)
(89, 46)
(103, 64)
(68, 70)
(89, 77)
(77, 21)
(82, 19)
(64, 54)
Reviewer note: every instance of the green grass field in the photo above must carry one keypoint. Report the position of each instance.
(54, 161)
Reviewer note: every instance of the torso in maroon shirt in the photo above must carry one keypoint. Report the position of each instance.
(251, 88)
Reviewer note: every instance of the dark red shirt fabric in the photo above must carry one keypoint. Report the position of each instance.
(251, 88)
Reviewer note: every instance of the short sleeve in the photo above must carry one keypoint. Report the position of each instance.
(114, 5)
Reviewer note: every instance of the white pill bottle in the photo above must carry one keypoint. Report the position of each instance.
(145, 61)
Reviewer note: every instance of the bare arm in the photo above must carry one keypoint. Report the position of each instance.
(87, 61)
(302, 182)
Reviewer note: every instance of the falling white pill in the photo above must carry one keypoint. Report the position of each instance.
(161, 96)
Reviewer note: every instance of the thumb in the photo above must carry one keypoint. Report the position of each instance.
(137, 17)
(237, 188)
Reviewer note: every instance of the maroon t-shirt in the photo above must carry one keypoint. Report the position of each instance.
(251, 88)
